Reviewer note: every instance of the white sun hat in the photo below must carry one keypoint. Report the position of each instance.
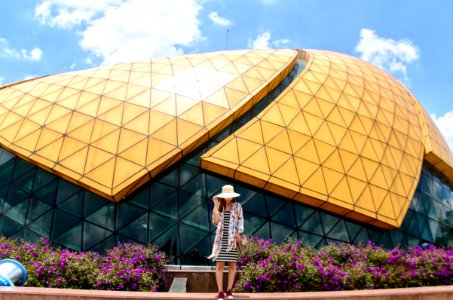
(228, 192)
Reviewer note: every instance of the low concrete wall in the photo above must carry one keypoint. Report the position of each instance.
(200, 279)
(423, 293)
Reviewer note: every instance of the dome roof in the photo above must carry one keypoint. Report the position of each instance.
(343, 136)
(111, 129)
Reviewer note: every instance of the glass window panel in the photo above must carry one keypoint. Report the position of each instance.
(386, 241)
(280, 232)
(328, 221)
(48, 192)
(302, 213)
(21, 167)
(126, 214)
(9, 227)
(73, 204)
(313, 224)
(42, 178)
(339, 232)
(398, 238)
(198, 254)
(198, 217)
(375, 234)
(25, 182)
(93, 202)
(43, 224)
(188, 202)
(137, 230)
(262, 232)
(141, 197)
(6, 158)
(352, 229)
(187, 172)
(93, 234)
(196, 185)
(63, 222)
(362, 236)
(255, 205)
(108, 243)
(36, 209)
(168, 242)
(168, 207)
(252, 223)
(18, 212)
(67, 189)
(15, 196)
(309, 238)
(285, 216)
(189, 236)
(4, 190)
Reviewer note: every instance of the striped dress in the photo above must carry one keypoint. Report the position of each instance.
(226, 256)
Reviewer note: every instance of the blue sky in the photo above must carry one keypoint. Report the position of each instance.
(411, 39)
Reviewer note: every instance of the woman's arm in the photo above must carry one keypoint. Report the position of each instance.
(240, 219)
(215, 212)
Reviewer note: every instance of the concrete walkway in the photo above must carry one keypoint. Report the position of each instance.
(423, 293)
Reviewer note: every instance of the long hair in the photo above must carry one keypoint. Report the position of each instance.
(222, 203)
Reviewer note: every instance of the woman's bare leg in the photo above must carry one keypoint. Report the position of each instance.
(219, 275)
(231, 274)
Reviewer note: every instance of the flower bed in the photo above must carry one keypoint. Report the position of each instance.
(290, 267)
(265, 267)
(127, 267)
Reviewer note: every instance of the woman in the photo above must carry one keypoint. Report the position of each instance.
(228, 218)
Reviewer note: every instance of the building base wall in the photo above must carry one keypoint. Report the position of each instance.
(419, 293)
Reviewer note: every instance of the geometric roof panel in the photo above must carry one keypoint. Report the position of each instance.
(112, 128)
(345, 136)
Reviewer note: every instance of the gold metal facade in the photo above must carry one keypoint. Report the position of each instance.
(437, 152)
(111, 129)
(345, 137)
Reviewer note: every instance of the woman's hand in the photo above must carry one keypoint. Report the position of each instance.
(237, 237)
(215, 212)
(215, 199)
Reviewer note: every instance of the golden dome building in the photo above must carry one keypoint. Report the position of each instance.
(321, 146)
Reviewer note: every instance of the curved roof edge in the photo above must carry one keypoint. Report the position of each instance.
(437, 152)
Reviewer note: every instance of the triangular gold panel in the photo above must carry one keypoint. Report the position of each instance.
(139, 117)
(347, 143)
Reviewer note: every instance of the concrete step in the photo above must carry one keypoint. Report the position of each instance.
(179, 285)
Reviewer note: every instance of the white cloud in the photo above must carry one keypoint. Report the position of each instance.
(69, 13)
(218, 20)
(30, 77)
(7, 51)
(34, 54)
(393, 56)
(445, 125)
(263, 41)
(268, 2)
(122, 31)
(2, 79)
(281, 43)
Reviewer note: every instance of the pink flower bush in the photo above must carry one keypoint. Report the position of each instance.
(290, 267)
(131, 267)
(128, 267)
